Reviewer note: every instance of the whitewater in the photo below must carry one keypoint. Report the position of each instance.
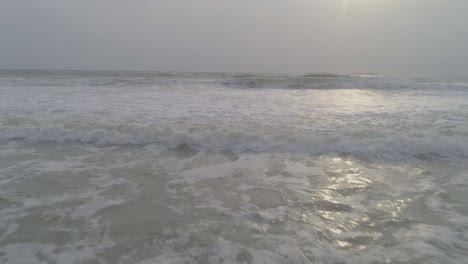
(170, 167)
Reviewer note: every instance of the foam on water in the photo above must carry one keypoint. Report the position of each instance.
(232, 168)
(365, 122)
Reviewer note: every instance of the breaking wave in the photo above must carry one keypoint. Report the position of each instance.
(388, 144)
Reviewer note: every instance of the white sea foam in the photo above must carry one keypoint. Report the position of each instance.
(197, 110)
(255, 168)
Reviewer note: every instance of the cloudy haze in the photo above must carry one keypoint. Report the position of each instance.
(417, 37)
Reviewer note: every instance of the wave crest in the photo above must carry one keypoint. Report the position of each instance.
(313, 142)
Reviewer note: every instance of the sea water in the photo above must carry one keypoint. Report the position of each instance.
(142, 167)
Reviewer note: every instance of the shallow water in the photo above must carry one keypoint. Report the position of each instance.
(224, 168)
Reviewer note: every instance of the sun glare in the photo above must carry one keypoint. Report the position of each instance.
(344, 7)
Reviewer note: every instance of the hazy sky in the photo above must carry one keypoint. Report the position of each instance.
(417, 37)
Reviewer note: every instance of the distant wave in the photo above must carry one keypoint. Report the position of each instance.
(231, 80)
(334, 81)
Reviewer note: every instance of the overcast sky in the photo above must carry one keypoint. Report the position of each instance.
(413, 37)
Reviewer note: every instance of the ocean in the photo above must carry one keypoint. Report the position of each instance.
(164, 167)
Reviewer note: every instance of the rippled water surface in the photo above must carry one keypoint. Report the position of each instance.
(225, 168)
